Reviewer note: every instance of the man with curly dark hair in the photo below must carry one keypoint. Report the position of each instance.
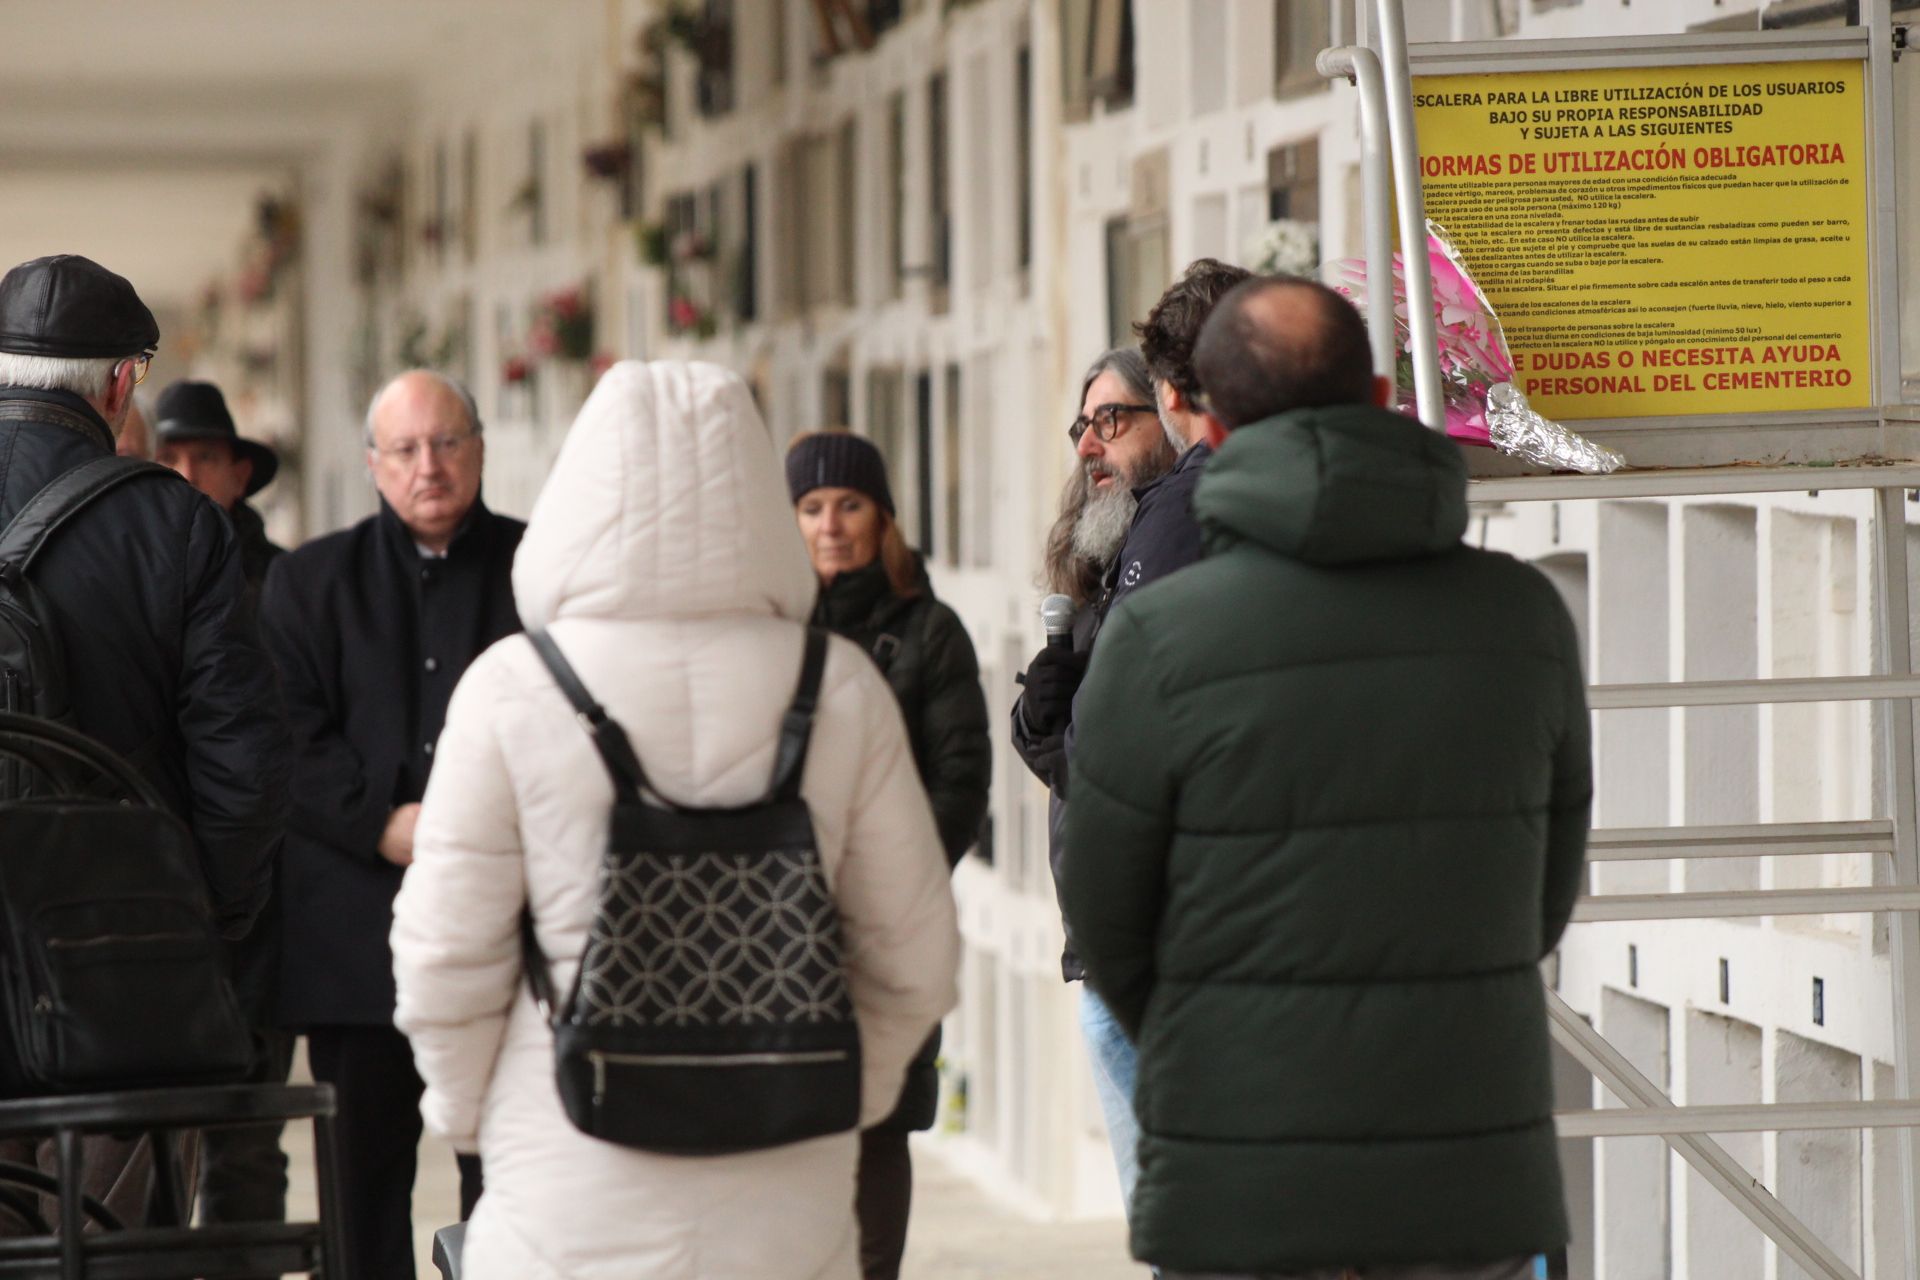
(1164, 536)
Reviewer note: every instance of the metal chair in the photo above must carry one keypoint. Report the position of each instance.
(171, 1249)
(447, 1245)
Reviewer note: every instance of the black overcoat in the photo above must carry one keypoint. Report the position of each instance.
(255, 959)
(163, 662)
(923, 649)
(371, 637)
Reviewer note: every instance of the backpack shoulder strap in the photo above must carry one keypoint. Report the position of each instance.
(796, 727)
(69, 493)
(609, 739)
(534, 961)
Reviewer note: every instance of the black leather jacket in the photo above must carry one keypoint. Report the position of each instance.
(163, 661)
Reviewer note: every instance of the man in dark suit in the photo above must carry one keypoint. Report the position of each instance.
(372, 627)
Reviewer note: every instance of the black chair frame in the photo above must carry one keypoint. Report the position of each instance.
(171, 1249)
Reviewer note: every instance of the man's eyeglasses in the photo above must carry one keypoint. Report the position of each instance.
(141, 363)
(407, 452)
(1106, 421)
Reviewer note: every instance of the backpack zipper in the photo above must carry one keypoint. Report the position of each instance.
(601, 1059)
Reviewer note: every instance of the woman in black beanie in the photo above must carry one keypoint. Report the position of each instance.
(874, 591)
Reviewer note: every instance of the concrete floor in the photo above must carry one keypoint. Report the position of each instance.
(958, 1231)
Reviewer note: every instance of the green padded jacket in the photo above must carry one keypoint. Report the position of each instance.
(1330, 800)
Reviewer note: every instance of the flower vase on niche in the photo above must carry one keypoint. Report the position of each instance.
(562, 337)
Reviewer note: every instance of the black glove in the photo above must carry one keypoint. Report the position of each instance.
(1051, 679)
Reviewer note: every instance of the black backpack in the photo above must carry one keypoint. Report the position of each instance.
(33, 666)
(109, 968)
(710, 1013)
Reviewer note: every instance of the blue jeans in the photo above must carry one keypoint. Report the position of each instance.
(1115, 1064)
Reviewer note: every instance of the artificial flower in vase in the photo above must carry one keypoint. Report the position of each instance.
(563, 325)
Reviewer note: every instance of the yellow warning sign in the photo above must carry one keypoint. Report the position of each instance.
(1663, 240)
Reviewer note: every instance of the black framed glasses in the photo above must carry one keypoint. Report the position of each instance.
(1106, 421)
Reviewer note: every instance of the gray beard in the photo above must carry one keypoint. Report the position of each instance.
(1104, 522)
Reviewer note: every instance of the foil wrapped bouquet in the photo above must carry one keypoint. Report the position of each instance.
(1476, 368)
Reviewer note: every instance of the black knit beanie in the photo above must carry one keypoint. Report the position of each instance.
(837, 460)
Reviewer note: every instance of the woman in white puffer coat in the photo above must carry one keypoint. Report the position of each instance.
(663, 557)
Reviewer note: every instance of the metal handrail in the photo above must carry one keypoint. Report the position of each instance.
(1361, 68)
(1708, 1158)
(1423, 338)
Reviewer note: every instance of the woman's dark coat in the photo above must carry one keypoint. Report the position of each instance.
(923, 649)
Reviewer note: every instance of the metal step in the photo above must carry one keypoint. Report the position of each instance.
(1769, 839)
(1736, 693)
(1744, 902)
(1693, 482)
(1751, 1117)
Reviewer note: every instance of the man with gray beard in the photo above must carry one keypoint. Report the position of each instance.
(1120, 454)
(1142, 480)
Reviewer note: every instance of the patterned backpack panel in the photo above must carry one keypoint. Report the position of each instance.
(713, 939)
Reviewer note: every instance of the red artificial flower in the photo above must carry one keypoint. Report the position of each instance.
(515, 370)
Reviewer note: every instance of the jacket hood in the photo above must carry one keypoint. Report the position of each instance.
(666, 501)
(1340, 485)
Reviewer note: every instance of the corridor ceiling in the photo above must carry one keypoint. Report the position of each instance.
(240, 49)
(141, 132)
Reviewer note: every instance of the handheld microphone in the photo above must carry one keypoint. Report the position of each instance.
(1056, 615)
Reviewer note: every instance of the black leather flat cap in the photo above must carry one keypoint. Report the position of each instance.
(71, 306)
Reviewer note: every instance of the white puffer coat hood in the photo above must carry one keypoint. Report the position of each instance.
(663, 558)
(666, 501)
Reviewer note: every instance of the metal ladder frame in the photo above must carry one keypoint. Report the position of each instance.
(1390, 149)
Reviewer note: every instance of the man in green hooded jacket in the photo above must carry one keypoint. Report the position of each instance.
(1329, 813)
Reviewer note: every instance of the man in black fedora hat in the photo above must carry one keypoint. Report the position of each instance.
(195, 436)
(144, 590)
(243, 1170)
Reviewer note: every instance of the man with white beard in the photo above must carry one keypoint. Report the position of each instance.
(1121, 452)
(1137, 524)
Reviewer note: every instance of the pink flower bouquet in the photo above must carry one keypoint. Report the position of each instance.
(1476, 368)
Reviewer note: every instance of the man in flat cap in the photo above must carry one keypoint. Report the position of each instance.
(196, 437)
(143, 584)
